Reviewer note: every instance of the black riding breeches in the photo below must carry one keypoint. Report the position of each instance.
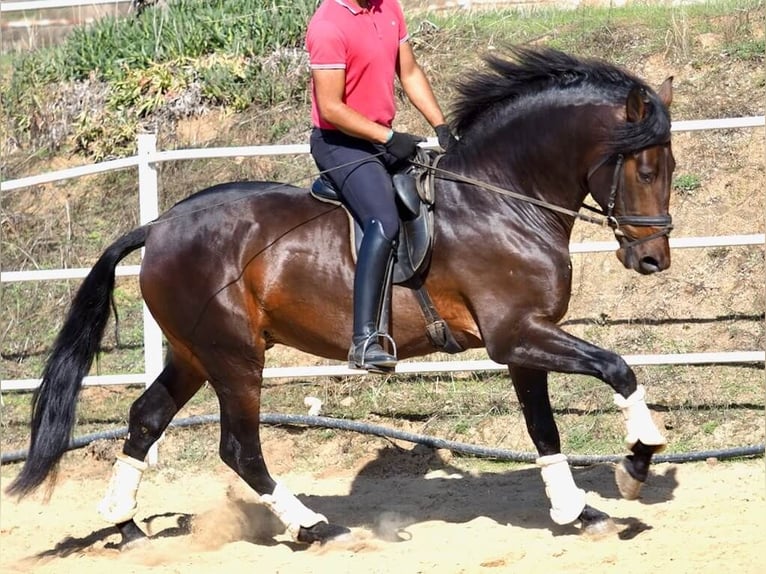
(361, 172)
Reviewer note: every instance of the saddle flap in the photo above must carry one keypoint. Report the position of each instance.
(408, 200)
(415, 241)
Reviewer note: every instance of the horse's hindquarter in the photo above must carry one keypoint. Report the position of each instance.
(240, 256)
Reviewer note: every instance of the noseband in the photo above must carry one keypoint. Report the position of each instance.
(616, 222)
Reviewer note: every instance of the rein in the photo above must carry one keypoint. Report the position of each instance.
(502, 191)
(607, 219)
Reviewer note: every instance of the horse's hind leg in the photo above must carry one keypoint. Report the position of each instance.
(240, 448)
(150, 415)
(567, 500)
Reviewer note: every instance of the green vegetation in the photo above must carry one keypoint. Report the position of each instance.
(185, 31)
(235, 52)
(686, 183)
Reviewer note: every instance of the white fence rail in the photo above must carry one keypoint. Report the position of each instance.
(51, 4)
(148, 157)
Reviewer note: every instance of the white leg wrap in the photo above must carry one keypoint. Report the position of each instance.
(567, 501)
(638, 419)
(119, 503)
(291, 511)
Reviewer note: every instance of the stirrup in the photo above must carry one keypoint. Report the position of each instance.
(358, 360)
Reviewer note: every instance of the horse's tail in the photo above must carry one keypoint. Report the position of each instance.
(54, 401)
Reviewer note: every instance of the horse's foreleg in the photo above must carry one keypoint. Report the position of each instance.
(567, 500)
(150, 415)
(643, 438)
(241, 450)
(549, 348)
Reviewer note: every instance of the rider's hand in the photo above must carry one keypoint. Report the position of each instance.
(402, 145)
(445, 137)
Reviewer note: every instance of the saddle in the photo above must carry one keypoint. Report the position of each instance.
(415, 202)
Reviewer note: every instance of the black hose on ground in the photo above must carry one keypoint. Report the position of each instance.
(433, 442)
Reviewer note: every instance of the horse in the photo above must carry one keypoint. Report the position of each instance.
(239, 267)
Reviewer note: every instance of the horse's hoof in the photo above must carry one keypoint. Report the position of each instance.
(629, 487)
(132, 535)
(596, 523)
(322, 532)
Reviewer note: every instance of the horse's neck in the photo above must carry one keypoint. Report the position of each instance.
(503, 182)
(549, 164)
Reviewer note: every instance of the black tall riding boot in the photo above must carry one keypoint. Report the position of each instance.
(370, 283)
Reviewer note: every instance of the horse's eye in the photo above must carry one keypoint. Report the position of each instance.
(645, 176)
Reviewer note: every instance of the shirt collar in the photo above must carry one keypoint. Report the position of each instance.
(353, 8)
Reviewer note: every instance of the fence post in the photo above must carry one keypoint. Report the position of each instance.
(148, 198)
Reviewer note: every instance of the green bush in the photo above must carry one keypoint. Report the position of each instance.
(186, 29)
(686, 183)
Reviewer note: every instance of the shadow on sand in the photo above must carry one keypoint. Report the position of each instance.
(402, 487)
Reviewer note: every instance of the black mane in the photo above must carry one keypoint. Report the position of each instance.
(544, 76)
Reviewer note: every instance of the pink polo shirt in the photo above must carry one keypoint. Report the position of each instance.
(364, 43)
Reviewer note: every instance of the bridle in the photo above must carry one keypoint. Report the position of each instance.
(616, 222)
(608, 219)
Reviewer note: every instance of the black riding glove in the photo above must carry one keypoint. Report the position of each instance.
(445, 137)
(403, 145)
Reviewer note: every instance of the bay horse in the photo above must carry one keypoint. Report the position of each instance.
(239, 267)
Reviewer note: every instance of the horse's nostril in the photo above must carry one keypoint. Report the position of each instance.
(649, 265)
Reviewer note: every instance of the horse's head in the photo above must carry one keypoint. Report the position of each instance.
(615, 132)
(635, 192)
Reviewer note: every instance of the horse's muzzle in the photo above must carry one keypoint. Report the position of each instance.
(646, 258)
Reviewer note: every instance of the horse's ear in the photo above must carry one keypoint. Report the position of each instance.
(637, 102)
(666, 91)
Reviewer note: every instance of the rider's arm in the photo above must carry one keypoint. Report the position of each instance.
(417, 87)
(329, 86)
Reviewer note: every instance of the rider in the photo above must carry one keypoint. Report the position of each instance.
(356, 48)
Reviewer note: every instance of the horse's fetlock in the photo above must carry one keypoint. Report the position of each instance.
(638, 420)
(291, 511)
(635, 469)
(119, 503)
